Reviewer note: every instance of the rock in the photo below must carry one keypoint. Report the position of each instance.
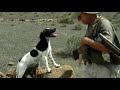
(64, 71)
(11, 63)
(1, 75)
(40, 73)
(11, 73)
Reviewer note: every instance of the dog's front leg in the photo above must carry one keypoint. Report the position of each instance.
(51, 57)
(46, 63)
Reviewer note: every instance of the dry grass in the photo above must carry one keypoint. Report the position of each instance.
(77, 26)
(65, 19)
(19, 37)
(73, 43)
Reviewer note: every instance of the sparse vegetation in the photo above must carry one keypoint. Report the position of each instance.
(52, 24)
(77, 26)
(116, 25)
(65, 19)
(109, 18)
(73, 43)
(62, 25)
(17, 37)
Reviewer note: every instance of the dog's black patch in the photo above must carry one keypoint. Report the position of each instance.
(34, 53)
(43, 44)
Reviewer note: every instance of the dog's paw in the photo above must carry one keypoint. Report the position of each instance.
(57, 65)
(49, 70)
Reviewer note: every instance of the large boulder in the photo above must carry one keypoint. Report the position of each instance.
(64, 71)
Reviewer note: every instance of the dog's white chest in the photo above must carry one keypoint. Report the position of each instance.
(49, 47)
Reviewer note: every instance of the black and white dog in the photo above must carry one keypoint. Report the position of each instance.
(43, 50)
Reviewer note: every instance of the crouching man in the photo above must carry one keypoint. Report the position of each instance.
(92, 48)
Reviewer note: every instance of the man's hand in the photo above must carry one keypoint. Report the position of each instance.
(94, 44)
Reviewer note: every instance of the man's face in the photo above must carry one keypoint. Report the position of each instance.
(85, 18)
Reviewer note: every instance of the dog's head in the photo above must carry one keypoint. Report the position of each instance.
(48, 32)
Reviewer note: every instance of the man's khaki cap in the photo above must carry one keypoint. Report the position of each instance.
(76, 14)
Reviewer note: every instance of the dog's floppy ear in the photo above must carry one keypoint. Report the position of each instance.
(41, 35)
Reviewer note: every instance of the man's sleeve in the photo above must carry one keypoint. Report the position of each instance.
(107, 30)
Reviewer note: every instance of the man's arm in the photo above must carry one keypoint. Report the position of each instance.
(106, 30)
(94, 44)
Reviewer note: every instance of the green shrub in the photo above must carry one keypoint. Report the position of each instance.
(77, 26)
(63, 25)
(73, 43)
(65, 19)
(52, 24)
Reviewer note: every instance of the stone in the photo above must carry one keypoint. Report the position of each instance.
(40, 73)
(64, 71)
(11, 73)
(1, 75)
(11, 63)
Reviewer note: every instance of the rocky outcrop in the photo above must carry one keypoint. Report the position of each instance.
(64, 71)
